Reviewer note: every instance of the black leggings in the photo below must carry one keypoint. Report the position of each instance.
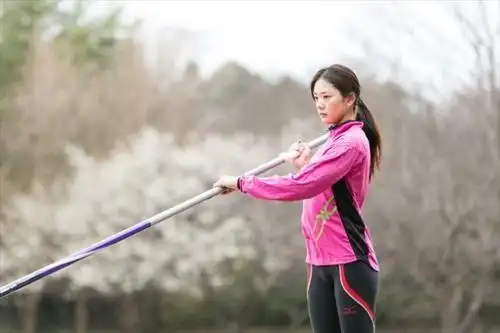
(341, 298)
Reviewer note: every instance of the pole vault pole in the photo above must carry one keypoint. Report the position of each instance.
(141, 226)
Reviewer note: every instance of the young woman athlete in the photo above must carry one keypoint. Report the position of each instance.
(343, 271)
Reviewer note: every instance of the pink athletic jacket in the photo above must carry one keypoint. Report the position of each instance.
(332, 186)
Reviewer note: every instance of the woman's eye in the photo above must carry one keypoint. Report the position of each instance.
(322, 97)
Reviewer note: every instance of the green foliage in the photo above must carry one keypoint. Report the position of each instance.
(87, 39)
(90, 40)
(19, 21)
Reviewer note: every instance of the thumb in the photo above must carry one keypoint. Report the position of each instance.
(302, 146)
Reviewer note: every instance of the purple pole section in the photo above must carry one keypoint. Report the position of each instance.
(141, 226)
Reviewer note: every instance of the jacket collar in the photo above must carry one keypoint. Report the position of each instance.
(345, 126)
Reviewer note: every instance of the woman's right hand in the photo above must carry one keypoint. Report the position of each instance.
(304, 154)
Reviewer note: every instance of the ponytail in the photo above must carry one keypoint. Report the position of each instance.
(372, 132)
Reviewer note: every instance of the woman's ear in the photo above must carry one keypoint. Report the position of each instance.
(350, 100)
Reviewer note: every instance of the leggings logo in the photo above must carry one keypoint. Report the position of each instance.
(350, 310)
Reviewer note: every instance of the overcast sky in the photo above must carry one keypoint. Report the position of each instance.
(295, 37)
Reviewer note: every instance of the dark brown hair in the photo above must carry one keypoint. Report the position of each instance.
(346, 82)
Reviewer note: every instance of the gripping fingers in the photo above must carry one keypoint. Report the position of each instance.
(294, 152)
(226, 190)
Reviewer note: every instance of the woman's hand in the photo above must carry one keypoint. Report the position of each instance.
(304, 154)
(229, 184)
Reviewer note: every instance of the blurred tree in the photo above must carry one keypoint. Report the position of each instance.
(236, 99)
(26, 28)
(19, 20)
(90, 40)
(440, 157)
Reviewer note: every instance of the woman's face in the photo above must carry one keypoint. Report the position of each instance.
(332, 107)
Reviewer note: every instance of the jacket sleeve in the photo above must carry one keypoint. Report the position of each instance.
(314, 178)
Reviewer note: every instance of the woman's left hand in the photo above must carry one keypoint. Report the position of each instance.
(228, 183)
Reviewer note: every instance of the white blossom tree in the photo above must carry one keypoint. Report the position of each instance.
(151, 174)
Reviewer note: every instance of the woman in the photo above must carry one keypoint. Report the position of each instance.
(343, 271)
